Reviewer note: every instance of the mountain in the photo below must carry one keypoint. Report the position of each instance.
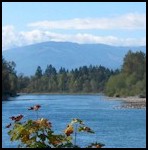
(66, 54)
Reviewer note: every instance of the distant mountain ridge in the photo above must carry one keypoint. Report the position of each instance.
(66, 54)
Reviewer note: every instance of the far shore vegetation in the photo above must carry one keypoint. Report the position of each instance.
(129, 80)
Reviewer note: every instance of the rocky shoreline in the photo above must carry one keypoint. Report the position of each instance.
(134, 102)
(131, 102)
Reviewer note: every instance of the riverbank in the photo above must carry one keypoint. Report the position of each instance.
(128, 102)
(62, 93)
(131, 102)
(6, 97)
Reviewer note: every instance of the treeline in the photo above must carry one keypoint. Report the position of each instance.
(85, 79)
(131, 80)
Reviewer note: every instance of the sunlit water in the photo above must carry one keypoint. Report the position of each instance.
(116, 128)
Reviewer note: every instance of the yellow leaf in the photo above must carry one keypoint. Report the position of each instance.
(69, 130)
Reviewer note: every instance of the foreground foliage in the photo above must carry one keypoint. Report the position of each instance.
(39, 134)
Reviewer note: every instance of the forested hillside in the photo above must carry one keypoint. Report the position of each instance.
(68, 55)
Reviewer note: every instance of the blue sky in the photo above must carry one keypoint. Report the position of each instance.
(115, 23)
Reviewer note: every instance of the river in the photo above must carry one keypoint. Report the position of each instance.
(116, 128)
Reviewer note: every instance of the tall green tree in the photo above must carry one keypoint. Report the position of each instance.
(131, 80)
(9, 78)
(38, 72)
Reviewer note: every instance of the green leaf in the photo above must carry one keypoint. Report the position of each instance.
(75, 120)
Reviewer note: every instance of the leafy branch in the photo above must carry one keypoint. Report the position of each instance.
(39, 134)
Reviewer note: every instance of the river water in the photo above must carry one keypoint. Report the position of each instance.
(116, 128)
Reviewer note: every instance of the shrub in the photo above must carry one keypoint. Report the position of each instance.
(39, 134)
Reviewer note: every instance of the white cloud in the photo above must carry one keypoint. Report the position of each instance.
(40, 32)
(127, 21)
(8, 37)
(11, 38)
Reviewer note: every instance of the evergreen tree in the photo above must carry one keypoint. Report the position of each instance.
(38, 72)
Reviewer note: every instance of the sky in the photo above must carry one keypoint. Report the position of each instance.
(112, 23)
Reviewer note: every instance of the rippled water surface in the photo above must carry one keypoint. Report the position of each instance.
(116, 128)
